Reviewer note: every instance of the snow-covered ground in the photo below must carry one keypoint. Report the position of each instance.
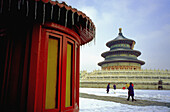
(92, 105)
(152, 95)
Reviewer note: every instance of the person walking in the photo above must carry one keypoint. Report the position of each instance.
(131, 92)
(114, 86)
(108, 87)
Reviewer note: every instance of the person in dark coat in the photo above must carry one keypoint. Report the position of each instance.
(131, 92)
(114, 86)
(108, 87)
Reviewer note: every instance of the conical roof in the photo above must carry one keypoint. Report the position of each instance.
(121, 51)
(120, 35)
(120, 39)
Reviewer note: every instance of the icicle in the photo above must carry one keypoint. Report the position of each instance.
(86, 26)
(19, 4)
(1, 6)
(9, 7)
(90, 26)
(66, 19)
(90, 29)
(80, 28)
(52, 12)
(93, 32)
(59, 14)
(27, 8)
(35, 10)
(73, 18)
(94, 36)
(78, 18)
(22, 2)
(43, 14)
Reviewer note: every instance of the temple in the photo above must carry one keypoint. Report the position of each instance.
(121, 67)
(121, 54)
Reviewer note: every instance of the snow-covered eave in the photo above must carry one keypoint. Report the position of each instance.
(42, 11)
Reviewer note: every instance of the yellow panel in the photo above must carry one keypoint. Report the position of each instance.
(51, 74)
(68, 76)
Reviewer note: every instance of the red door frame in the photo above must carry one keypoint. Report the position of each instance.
(77, 85)
(48, 34)
(38, 67)
(34, 69)
(64, 63)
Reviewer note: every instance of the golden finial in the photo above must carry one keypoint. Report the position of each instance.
(120, 30)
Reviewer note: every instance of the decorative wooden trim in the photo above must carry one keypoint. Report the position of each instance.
(25, 73)
(78, 75)
(38, 69)
(59, 70)
(34, 69)
(56, 28)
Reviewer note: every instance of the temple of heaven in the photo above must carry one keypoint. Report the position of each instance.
(40, 55)
(121, 54)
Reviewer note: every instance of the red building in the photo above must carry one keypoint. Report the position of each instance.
(39, 62)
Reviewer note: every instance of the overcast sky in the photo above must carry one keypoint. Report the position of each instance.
(145, 21)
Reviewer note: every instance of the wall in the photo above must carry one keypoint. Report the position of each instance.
(143, 79)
